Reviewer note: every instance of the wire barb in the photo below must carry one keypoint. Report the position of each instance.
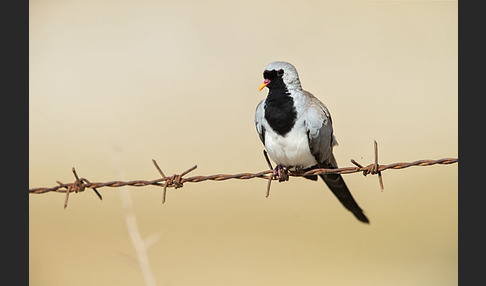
(270, 178)
(164, 191)
(172, 181)
(380, 178)
(78, 186)
(372, 168)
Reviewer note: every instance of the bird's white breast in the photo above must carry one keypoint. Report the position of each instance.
(291, 150)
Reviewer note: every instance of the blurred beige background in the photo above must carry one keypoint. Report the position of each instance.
(114, 84)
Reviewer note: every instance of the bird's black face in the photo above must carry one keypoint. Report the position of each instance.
(273, 79)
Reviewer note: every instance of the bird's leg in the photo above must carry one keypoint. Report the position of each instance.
(284, 174)
(281, 171)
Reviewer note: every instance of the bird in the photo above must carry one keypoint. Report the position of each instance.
(296, 129)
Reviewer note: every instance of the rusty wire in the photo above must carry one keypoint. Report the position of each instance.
(177, 180)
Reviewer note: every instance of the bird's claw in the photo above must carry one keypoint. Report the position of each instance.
(281, 172)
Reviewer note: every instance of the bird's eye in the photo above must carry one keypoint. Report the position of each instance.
(280, 72)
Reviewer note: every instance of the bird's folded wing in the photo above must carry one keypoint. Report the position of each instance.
(319, 129)
(259, 116)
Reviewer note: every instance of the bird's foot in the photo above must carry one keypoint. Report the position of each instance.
(299, 169)
(281, 172)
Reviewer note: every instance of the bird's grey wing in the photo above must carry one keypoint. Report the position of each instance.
(318, 124)
(259, 117)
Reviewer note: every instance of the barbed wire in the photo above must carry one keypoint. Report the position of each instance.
(177, 180)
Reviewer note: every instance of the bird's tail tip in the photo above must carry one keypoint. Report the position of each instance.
(362, 218)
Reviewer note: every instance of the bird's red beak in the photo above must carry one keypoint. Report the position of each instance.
(265, 83)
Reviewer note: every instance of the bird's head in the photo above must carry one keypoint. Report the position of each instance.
(280, 75)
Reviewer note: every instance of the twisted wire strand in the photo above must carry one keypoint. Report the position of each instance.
(177, 180)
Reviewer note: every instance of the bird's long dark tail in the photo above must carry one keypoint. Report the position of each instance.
(336, 183)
